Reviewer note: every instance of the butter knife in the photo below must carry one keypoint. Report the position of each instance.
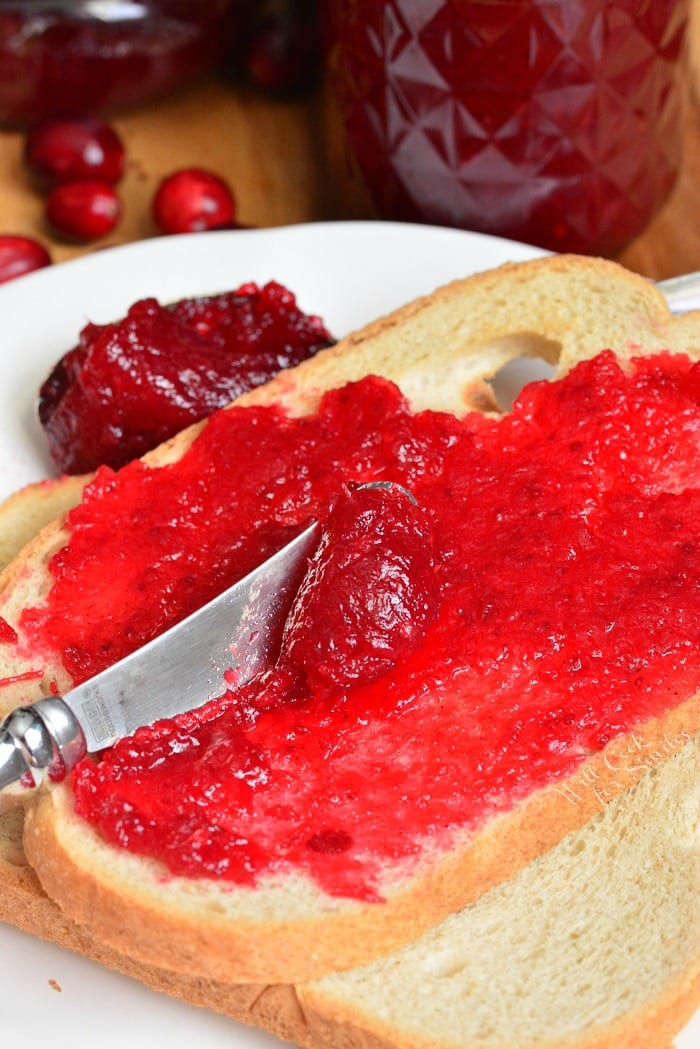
(238, 632)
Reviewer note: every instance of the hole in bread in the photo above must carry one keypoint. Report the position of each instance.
(509, 380)
(508, 362)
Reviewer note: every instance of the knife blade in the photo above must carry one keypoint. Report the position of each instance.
(227, 641)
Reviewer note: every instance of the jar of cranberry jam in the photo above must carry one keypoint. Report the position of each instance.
(556, 122)
(72, 57)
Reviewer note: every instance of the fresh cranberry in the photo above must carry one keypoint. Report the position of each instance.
(58, 151)
(128, 386)
(370, 593)
(83, 210)
(192, 200)
(282, 54)
(20, 255)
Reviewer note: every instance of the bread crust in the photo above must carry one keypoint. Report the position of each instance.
(305, 1013)
(325, 1026)
(537, 307)
(302, 1014)
(26, 512)
(108, 895)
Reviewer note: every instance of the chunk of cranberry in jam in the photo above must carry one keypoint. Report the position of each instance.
(370, 593)
(330, 842)
(130, 385)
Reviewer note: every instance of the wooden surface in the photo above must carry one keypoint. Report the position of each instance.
(272, 155)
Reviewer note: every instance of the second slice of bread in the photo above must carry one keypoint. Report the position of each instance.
(595, 945)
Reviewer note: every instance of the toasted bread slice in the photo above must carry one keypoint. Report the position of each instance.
(439, 350)
(595, 945)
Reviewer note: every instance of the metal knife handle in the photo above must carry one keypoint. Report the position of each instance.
(42, 736)
(682, 293)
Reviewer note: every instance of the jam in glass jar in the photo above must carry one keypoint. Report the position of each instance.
(556, 122)
(73, 57)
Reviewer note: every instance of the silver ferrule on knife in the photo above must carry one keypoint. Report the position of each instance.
(237, 632)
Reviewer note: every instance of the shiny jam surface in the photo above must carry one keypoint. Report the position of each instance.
(556, 122)
(375, 569)
(130, 385)
(563, 538)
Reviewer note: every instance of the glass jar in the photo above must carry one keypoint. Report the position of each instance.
(556, 122)
(72, 57)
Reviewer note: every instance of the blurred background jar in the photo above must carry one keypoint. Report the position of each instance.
(555, 122)
(72, 57)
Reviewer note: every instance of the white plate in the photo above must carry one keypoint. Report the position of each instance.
(349, 273)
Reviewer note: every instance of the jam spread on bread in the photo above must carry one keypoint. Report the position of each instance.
(128, 386)
(369, 594)
(563, 540)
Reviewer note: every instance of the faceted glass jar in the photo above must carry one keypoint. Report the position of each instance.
(556, 122)
(72, 57)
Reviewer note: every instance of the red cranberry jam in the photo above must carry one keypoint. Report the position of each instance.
(126, 387)
(563, 539)
(557, 122)
(73, 57)
(369, 593)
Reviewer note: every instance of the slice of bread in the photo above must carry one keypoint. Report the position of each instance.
(26, 512)
(439, 350)
(595, 945)
(598, 941)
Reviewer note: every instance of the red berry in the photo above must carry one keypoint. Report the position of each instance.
(20, 255)
(283, 55)
(83, 210)
(192, 200)
(71, 150)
